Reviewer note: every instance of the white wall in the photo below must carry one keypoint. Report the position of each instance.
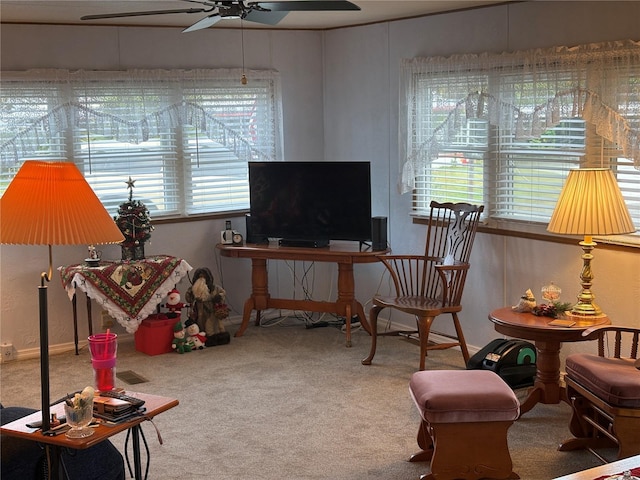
(361, 109)
(340, 102)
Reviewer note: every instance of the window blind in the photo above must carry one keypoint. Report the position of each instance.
(504, 131)
(185, 139)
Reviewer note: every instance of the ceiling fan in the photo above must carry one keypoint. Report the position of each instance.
(269, 13)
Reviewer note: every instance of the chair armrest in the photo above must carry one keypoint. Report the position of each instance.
(594, 333)
(633, 334)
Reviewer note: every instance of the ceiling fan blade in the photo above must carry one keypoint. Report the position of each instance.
(139, 14)
(306, 5)
(203, 23)
(268, 18)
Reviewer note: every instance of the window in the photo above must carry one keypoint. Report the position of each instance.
(504, 130)
(185, 137)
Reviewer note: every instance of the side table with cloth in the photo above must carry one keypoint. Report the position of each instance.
(128, 290)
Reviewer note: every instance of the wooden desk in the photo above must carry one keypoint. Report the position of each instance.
(548, 340)
(154, 405)
(344, 254)
(129, 290)
(613, 468)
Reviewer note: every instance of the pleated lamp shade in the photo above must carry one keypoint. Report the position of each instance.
(591, 204)
(50, 203)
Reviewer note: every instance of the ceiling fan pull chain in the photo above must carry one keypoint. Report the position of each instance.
(243, 79)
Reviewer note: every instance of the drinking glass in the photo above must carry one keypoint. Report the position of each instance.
(79, 417)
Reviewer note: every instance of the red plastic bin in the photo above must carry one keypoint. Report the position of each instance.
(155, 334)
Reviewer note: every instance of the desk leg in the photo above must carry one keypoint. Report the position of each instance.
(54, 465)
(74, 307)
(259, 299)
(89, 316)
(137, 463)
(546, 388)
(346, 298)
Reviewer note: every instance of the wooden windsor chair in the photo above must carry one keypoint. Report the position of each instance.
(430, 285)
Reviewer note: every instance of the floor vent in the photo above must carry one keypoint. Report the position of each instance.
(131, 377)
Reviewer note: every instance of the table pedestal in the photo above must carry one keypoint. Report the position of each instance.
(548, 340)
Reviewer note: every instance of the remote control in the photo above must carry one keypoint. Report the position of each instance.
(38, 423)
(136, 402)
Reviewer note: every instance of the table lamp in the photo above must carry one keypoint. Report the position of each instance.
(590, 204)
(50, 203)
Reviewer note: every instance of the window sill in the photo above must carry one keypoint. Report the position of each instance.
(199, 217)
(538, 232)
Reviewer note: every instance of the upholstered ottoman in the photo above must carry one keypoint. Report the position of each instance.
(465, 418)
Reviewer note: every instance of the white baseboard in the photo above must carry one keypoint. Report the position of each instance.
(234, 320)
(30, 353)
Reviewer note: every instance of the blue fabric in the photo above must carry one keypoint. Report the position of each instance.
(23, 459)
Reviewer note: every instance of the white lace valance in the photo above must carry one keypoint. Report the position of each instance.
(524, 93)
(151, 102)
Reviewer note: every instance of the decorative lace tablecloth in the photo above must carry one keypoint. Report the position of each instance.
(128, 290)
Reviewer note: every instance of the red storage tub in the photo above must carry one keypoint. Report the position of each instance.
(155, 334)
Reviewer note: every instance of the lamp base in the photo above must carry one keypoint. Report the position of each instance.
(584, 320)
(586, 306)
(586, 310)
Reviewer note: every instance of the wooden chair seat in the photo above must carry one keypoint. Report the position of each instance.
(416, 305)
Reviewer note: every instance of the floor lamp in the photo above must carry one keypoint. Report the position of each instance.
(590, 204)
(50, 203)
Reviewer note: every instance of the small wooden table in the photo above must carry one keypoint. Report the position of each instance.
(613, 468)
(154, 405)
(548, 340)
(130, 290)
(345, 254)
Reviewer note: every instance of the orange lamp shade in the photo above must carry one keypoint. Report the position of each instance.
(51, 203)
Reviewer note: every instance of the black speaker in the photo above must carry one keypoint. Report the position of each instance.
(253, 236)
(379, 233)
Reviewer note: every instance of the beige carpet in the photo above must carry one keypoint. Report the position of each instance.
(286, 402)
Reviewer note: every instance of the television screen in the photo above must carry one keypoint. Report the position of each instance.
(311, 201)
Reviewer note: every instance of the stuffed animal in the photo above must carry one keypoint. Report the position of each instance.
(195, 337)
(179, 343)
(208, 307)
(173, 304)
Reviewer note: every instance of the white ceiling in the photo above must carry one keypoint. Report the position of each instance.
(68, 12)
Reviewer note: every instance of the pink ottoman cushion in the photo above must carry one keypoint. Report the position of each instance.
(450, 396)
(614, 380)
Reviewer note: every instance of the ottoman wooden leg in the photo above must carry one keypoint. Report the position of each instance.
(425, 443)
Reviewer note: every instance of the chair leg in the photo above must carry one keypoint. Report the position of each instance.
(424, 327)
(373, 323)
(463, 343)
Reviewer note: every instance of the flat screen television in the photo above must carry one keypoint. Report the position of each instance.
(310, 203)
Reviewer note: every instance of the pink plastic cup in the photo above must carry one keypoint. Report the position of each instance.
(103, 347)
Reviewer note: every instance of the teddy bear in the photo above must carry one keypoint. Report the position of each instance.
(179, 343)
(208, 307)
(173, 305)
(195, 337)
